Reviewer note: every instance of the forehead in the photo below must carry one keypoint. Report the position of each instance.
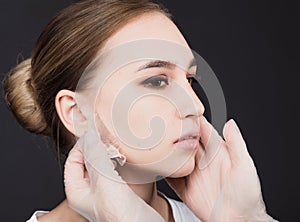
(152, 25)
(152, 36)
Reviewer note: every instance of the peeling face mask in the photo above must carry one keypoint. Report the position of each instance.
(140, 92)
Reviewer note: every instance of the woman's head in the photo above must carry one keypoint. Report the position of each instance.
(73, 40)
(63, 51)
(148, 84)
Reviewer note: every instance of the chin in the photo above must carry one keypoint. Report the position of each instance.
(185, 170)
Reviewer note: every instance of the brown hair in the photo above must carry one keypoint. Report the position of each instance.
(63, 51)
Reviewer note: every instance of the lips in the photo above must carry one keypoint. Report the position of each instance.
(188, 136)
(189, 141)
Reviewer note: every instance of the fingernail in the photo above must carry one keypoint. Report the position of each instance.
(235, 126)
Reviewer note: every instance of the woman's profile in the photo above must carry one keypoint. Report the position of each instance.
(99, 72)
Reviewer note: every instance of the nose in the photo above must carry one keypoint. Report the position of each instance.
(189, 105)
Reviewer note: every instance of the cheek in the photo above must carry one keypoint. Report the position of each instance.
(163, 158)
(150, 118)
(152, 122)
(150, 113)
(150, 126)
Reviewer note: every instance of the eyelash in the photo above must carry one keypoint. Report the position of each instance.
(156, 79)
(190, 79)
(159, 79)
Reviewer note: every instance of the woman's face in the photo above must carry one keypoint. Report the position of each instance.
(162, 91)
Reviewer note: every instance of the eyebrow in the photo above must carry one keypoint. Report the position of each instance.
(157, 64)
(162, 64)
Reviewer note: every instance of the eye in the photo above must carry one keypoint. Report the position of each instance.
(190, 79)
(156, 82)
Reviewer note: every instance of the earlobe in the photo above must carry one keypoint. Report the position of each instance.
(69, 113)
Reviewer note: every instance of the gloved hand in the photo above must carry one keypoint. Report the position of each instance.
(93, 187)
(224, 186)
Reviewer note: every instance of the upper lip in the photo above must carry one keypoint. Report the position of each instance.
(195, 134)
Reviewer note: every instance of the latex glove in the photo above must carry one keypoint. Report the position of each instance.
(93, 187)
(224, 185)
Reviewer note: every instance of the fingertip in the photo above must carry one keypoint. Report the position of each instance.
(74, 166)
(235, 142)
(203, 120)
(235, 126)
(226, 128)
(204, 134)
(205, 126)
(75, 155)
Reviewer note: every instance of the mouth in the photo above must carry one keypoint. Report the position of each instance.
(189, 141)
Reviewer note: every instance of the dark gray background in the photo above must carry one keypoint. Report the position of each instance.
(251, 45)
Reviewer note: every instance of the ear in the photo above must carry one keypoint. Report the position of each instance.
(69, 113)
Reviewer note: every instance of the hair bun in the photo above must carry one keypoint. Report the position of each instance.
(20, 98)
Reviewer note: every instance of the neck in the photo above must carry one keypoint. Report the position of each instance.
(148, 192)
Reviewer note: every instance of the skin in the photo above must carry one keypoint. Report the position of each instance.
(184, 118)
(62, 213)
(199, 189)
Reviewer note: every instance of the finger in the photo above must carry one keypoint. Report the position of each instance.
(205, 130)
(95, 153)
(199, 154)
(235, 143)
(74, 173)
(211, 141)
(97, 161)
